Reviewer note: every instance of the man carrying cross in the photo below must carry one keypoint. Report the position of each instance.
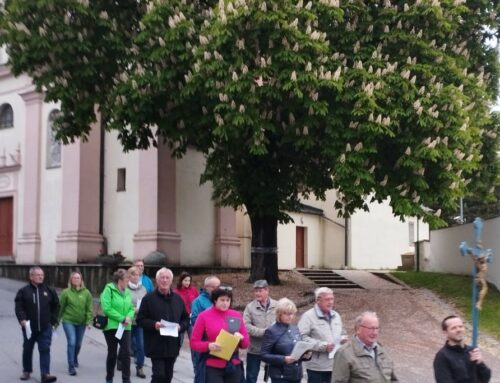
(457, 362)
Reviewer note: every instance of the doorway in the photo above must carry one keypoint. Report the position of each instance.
(6, 226)
(300, 246)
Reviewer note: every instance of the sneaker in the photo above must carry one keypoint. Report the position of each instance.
(25, 376)
(48, 378)
(140, 373)
(72, 371)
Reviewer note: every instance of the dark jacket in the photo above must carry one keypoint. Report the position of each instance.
(38, 304)
(155, 307)
(452, 365)
(278, 342)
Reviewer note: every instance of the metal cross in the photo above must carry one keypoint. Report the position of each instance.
(481, 257)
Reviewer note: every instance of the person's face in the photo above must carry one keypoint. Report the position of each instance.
(326, 302)
(223, 303)
(140, 267)
(76, 280)
(164, 281)
(36, 277)
(261, 294)
(186, 282)
(368, 330)
(212, 285)
(455, 331)
(134, 278)
(287, 318)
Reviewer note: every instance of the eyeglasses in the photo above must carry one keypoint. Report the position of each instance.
(225, 288)
(370, 328)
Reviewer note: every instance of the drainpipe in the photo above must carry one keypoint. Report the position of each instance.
(346, 242)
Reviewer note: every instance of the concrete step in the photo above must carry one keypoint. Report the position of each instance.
(328, 278)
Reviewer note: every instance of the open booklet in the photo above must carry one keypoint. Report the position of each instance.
(300, 348)
(227, 342)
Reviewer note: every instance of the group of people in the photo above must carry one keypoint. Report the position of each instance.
(150, 321)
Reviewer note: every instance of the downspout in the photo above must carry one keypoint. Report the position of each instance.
(101, 180)
(346, 243)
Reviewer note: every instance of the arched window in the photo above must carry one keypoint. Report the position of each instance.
(53, 146)
(6, 116)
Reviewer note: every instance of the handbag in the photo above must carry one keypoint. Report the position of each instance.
(100, 322)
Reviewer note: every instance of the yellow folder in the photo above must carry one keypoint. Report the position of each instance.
(228, 343)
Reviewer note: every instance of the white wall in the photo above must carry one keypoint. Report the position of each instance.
(195, 211)
(443, 255)
(120, 207)
(377, 238)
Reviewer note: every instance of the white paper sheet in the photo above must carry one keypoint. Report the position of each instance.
(119, 331)
(138, 304)
(169, 328)
(300, 348)
(27, 327)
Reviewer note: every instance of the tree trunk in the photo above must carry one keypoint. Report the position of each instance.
(264, 253)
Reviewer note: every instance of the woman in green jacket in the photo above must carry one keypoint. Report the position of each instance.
(116, 304)
(75, 313)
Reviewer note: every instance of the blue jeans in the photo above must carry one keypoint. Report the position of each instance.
(74, 336)
(44, 339)
(137, 335)
(253, 367)
(319, 376)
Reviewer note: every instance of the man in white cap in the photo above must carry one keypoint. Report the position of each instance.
(258, 315)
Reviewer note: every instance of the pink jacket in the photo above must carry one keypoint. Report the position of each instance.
(188, 296)
(210, 322)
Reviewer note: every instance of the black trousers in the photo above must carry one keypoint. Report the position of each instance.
(124, 354)
(220, 375)
(163, 370)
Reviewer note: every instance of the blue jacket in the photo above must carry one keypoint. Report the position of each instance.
(147, 283)
(200, 304)
(278, 342)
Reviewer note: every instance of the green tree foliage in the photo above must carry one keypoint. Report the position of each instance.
(377, 99)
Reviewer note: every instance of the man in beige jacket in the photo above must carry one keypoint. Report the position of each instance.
(321, 326)
(362, 359)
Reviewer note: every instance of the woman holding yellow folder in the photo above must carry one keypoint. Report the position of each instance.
(214, 326)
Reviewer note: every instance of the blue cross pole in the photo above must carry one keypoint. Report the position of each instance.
(481, 258)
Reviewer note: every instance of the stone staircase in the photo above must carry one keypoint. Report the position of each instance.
(328, 278)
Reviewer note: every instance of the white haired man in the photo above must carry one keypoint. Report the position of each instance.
(162, 304)
(321, 326)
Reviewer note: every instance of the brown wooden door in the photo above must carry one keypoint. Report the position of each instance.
(299, 246)
(6, 226)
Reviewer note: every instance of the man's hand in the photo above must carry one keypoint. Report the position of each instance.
(157, 326)
(330, 347)
(289, 359)
(475, 356)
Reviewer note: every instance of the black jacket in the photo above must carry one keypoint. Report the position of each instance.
(38, 304)
(154, 308)
(452, 365)
(278, 342)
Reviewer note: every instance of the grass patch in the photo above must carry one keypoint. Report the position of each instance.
(458, 290)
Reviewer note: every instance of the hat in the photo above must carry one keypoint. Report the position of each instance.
(260, 284)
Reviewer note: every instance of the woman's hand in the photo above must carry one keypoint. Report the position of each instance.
(213, 347)
(289, 359)
(307, 355)
(239, 335)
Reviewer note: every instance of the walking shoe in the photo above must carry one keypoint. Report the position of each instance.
(118, 364)
(48, 378)
(72, 371)
(140, 373)
(25, 376)
(76, 364)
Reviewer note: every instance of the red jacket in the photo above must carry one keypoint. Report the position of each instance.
(188, 296)
(210, 322)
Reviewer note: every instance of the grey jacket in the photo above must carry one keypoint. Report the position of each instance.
(256, 321)
(352, 364)
(318, 331)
